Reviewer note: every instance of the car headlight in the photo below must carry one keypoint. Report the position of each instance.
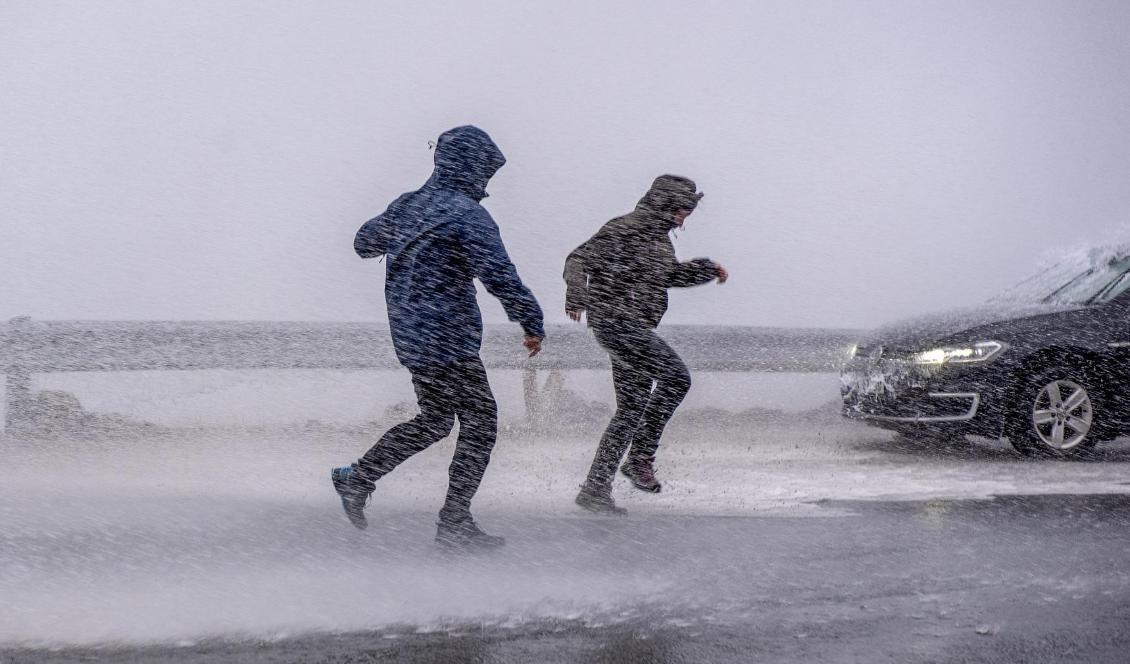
(982, 351)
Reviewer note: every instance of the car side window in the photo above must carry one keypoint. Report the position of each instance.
(1116, 288)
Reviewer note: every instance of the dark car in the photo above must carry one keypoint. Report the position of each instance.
(1046, 365)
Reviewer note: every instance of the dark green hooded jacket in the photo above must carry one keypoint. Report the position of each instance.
(620, 276)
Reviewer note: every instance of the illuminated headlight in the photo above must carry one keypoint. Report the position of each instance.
(966, 354)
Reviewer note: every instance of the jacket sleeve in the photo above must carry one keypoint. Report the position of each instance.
(491, 265)
(602, 252)
(374, 236)
(577, 277)
(692, 273)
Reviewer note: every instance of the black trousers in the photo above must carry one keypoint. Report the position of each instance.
(459, 390)
(640, 360)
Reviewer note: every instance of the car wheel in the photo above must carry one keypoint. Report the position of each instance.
(1058, 415)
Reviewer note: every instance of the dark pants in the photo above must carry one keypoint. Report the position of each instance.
(639, 360)
(443, 393)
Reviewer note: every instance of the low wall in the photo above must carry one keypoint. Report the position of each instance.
(31, 347)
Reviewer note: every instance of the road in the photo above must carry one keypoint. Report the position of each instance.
(794, 543)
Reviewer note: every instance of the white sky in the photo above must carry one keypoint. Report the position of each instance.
(863, 161)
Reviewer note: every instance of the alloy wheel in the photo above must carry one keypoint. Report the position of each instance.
(1062, 414)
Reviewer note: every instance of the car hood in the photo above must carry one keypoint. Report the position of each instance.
(914, 333)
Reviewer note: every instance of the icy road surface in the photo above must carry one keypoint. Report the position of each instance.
(194, 537)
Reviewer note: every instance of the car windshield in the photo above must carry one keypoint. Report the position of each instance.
(1098, 280)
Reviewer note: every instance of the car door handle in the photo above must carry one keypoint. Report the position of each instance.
(1119, 344)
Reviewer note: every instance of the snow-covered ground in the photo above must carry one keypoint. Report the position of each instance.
(214, 533)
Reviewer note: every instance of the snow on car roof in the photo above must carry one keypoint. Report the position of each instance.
(1057, 268)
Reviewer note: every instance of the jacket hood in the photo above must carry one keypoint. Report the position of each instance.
(668, 195)
(465, 160)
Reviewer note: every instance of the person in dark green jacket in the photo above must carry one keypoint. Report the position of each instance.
(619, 278)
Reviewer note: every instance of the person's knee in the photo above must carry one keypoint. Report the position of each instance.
(488, 409)
(678, 381)
(628, 414)
(435, 425)
(482, 417)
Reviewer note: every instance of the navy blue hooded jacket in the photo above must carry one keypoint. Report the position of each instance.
(437, 240)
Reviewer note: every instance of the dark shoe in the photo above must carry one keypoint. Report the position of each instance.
(465, 535)
(599, 502)
(353, 498)
(642, 475)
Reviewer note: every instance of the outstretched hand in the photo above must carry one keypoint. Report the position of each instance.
(532, 344)
(723, 274)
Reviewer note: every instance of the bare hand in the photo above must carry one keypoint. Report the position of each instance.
(723, 274)
(574, 314)
(532, 344)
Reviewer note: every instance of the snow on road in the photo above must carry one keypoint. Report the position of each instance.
(201, 534)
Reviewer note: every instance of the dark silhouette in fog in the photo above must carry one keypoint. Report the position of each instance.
(437, 240)
(620, 276)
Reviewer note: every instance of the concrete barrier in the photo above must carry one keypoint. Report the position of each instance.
(32, 346)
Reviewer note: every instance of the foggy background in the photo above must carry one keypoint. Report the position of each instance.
(862, 161)
(167, 485)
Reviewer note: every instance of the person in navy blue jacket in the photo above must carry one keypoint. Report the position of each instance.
(437, 240)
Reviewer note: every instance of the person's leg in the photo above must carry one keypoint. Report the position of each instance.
(437, 414)
(632, 387)
(672, 382)
(651, 359)
(434, 421)
(478, 428)
(355, 482)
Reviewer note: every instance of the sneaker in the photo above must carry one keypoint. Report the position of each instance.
(353, 499)
(642, 475)
(599, 502)
(465, 535)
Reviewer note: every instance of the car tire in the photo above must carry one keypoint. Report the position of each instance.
(1059, 414)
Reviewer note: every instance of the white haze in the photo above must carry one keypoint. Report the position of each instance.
(862, 161)
(195, 537)
(161, 160)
